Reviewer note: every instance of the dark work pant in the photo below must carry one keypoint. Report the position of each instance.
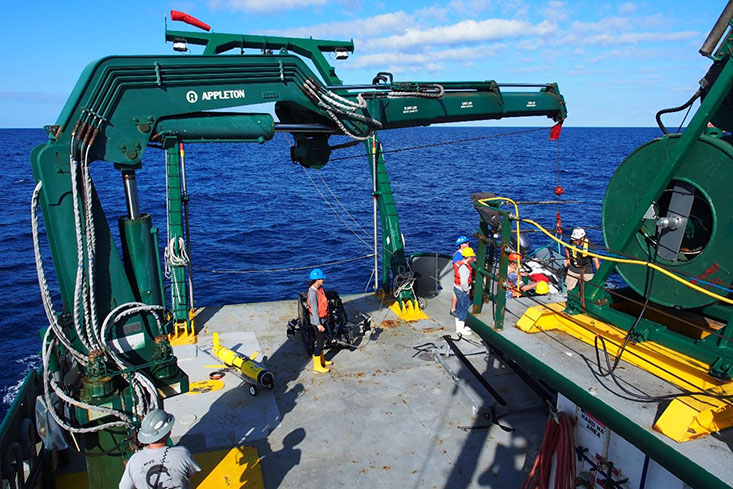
(319, 341)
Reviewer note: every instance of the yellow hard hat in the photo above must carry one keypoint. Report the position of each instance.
(467, 252)
(542, 288)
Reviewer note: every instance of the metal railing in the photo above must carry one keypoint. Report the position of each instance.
(23, 461)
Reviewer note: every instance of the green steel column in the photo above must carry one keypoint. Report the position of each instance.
(174, 196)
(139, 249)
(393, 249)
(500, 296)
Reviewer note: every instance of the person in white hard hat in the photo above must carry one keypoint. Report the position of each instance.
(158, 465)
(579, 264)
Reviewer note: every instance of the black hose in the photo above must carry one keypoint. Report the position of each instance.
(694, 97)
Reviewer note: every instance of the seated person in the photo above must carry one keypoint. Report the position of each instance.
(512, 279)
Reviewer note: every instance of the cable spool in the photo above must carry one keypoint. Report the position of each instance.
(703, 248)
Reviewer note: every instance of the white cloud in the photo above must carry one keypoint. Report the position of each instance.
(378, 25)
(468, 7)
(626, 8)
(264, 6)
(465, 56)
(527, 45)
(609, 39)
(626, 53)
(554, 10)
(467, 31)
(608, 24)
(515, 8)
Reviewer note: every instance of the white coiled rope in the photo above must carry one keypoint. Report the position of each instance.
(43, 283)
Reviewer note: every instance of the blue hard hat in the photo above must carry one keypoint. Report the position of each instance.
(316, 274)
(461, 240)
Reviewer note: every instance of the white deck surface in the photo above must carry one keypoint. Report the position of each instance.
(386, 416)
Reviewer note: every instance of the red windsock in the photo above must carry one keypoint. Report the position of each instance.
(555, 132)
(189, 19)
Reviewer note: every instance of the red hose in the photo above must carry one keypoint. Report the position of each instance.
(558, 443)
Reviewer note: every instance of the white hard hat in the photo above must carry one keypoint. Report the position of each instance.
(156, 424)
(578, 233)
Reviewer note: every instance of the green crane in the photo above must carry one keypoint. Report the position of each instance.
(115, 322)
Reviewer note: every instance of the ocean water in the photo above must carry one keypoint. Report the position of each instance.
(255, 212)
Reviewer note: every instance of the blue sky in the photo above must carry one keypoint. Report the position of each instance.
(617, 63)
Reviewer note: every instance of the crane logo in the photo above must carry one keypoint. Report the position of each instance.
(193, 97)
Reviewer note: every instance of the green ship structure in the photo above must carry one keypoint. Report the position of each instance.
(631, 385)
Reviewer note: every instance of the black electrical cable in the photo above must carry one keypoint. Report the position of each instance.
(648, 283)
(689, 103)
(636, 397)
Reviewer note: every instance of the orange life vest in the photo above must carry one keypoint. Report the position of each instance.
(457, 277)
(322, 303)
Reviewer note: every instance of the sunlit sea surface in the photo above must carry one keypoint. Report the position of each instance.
(252, 210)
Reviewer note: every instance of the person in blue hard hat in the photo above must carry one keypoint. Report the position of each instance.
(158, 465)
(318, 310)
(462, 289)
(461, 243)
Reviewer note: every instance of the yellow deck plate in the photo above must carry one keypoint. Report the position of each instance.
(686, 417)
(205, 386)
(408, 311)
(237, 467)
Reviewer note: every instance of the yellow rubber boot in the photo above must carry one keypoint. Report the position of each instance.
(325, 362)
(317, 367)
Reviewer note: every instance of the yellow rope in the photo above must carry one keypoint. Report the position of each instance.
(653, 266)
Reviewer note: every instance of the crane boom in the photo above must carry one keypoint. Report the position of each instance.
(111, 321)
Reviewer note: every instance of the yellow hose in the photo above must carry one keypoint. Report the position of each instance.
(516, 213)
(653, 266)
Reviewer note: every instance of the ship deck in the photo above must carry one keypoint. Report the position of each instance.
(387, 415)
(564, 362)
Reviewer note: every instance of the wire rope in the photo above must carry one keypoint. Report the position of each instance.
(368, 245)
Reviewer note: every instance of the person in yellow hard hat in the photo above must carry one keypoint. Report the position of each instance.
(462, 287)
(461, 243)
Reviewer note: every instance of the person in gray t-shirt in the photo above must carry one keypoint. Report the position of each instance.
(158, 466)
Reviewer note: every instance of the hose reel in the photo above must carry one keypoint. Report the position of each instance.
(690, 225)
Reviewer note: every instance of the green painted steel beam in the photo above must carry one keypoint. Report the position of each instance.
(174, 197)
(393, 248)
(313, 49)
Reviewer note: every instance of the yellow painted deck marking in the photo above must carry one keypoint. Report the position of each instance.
(685, 418)
(239, 467)
(204, 386)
